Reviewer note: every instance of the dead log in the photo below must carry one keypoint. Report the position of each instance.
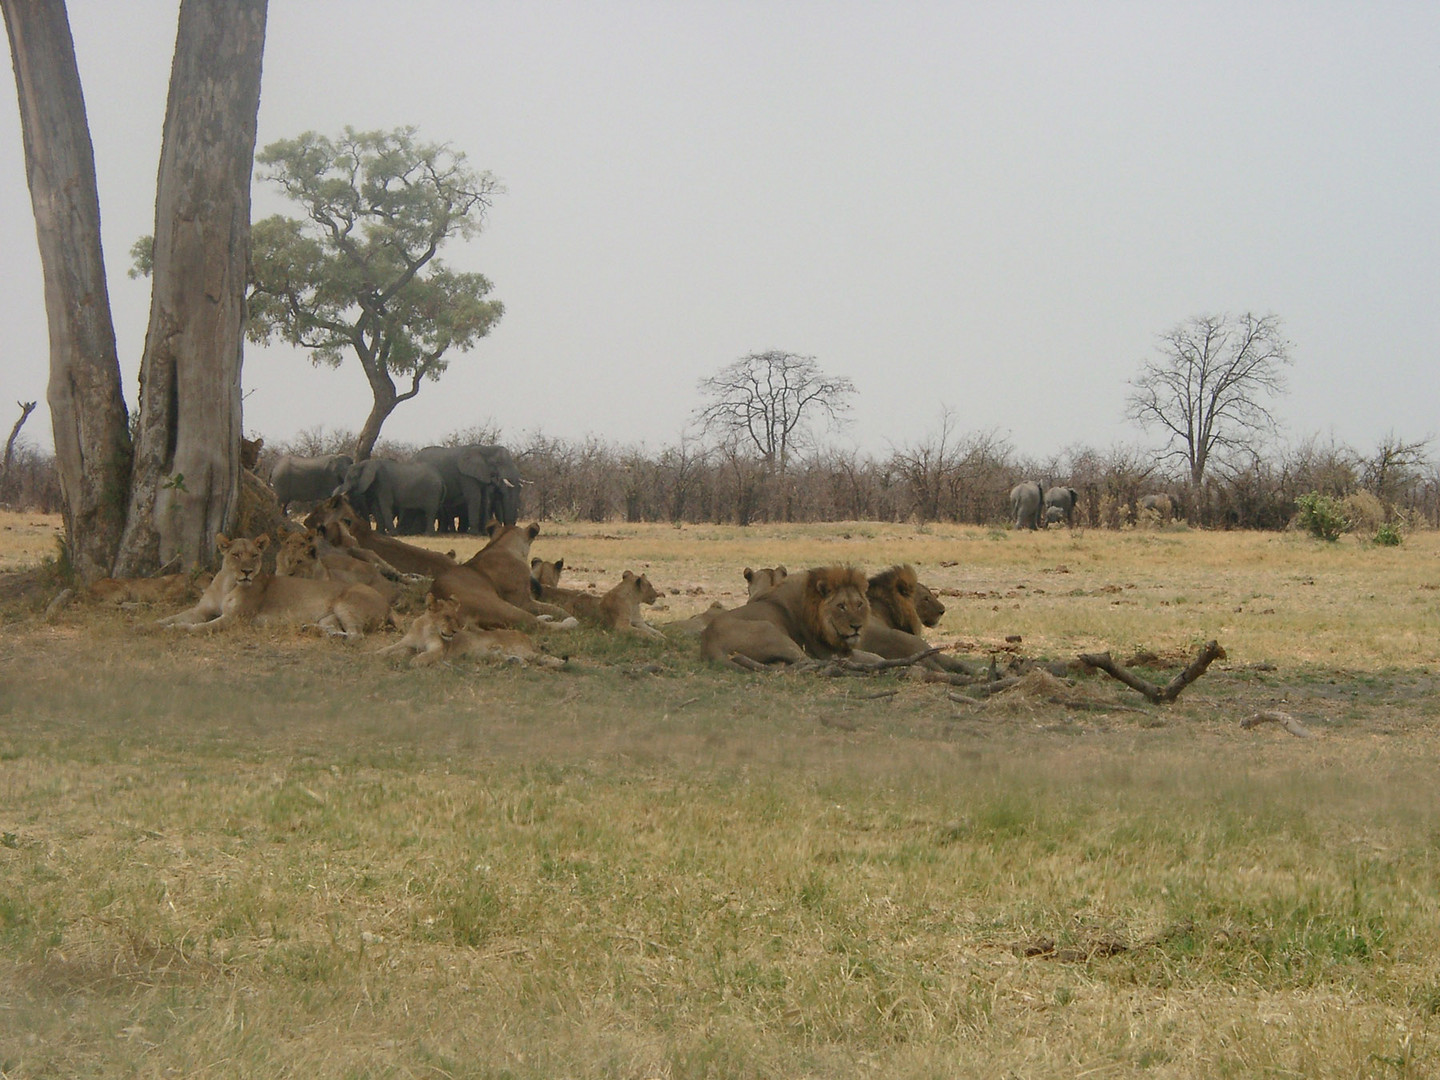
(1160, 695)
(1285, 720)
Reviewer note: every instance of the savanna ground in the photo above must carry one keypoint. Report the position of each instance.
(274, 855)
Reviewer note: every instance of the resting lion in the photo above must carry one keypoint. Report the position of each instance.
(338, 523)
(619, 609)
(819, 613)
(494, 586)
(897, 626)
(244, 592)
(300, 556)
(440, 634)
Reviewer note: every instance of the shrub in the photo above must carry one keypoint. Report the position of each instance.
(1388, 536)
(1321, 516)
(1363, 511)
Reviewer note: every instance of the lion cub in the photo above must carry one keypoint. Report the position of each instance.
(243, 592)
(618, 609)
(441, 634)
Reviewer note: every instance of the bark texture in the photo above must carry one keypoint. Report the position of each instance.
(187, 450)
(87, 407)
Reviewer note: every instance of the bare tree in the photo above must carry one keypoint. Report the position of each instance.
(1395, 467)
(767, 401)
(1207, 389)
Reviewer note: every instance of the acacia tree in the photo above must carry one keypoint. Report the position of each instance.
(1208, 387)
(768, 400)
(360, 273)
(190, 388)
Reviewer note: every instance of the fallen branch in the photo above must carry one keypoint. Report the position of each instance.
(1171, 690)
(1285, 720)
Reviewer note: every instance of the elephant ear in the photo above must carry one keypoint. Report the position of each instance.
(472, 463)
(368, 473)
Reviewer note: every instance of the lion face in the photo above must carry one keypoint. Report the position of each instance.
(928, 605)
(299, 553)
(645, 592)
(836, 607)
(336, 520)
(242, 559)
(445, 617)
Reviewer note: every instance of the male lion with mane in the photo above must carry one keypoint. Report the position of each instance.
(818, 614)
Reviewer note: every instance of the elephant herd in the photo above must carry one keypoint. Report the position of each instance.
(444, 488)
(1036, 507)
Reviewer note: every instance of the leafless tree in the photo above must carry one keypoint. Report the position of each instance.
(767, 401)
(1208, 387)
(1395, 467)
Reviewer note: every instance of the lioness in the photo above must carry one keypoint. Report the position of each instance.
(619, 609)
(243, 592)
(819, 613)
(440, 634)
(494, 586)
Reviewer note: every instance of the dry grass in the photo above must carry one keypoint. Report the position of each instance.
(273, 856)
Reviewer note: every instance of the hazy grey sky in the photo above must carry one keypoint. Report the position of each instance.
(991, 207)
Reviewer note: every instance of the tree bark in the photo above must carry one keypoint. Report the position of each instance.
(187, 455)
(87, 406)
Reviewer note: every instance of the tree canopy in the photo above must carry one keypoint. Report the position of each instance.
(360, 272)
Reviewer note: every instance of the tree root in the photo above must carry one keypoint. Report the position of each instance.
(1160, 695)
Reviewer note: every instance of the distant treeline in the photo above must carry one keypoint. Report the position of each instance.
(965, 479)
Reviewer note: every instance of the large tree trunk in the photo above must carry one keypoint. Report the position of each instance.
(87, 407)
(187, 452)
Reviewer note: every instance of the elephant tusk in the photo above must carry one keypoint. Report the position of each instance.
(507, 483)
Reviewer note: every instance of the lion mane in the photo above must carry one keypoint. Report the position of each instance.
(892, 599)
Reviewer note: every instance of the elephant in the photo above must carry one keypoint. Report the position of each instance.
(1026, 503)
(407, 490)
(480, 482)
(1062, 499)
(505, 494)
(308, 479)
(1162, 505)
(1054, 516)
